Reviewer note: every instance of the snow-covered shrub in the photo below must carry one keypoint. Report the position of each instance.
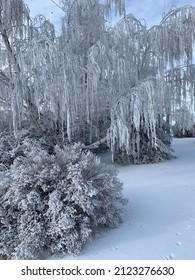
(13, 146)
(56, 202)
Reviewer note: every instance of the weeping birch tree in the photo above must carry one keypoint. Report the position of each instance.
(142, 119)
(30, 63)
(114, 88)
(120, 85)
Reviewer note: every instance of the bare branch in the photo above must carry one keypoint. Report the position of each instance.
(95, 145)
(57, 5)
(4, 78)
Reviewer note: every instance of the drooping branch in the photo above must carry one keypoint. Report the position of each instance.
(11, 55)
(4, 78)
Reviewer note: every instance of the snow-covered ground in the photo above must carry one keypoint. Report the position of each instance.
(160, 216)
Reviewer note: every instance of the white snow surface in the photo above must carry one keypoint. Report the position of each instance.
(160, 216)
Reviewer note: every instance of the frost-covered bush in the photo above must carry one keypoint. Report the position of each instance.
(56, 202)
(13, 146)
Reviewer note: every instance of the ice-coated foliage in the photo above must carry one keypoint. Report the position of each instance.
(174, 39)
(136, 135)
(56, 202)
(184, 122)
(181, 88)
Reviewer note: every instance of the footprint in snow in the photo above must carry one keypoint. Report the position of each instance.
(171, 256)
(188, 226)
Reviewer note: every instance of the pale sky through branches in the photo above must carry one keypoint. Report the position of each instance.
(150, 10)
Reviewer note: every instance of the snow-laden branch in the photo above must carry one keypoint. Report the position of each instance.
(4, 78)
(11, 55)
(95, 145)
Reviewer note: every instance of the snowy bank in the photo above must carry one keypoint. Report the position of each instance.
(160, 215)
